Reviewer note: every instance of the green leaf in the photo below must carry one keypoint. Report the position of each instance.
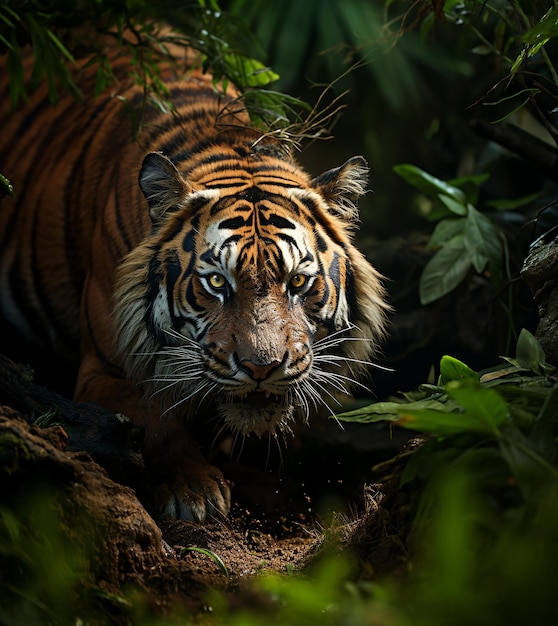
(61, 47)
(455, 206)
(250, 72)
(442, 423)
(529, 353)
(387, 411)
(453, 369)
(427, 183)
(6, 187)
(529, 468)
(482, 241)
(211, 555)
(470, 185)
(515, 203)
(479, 403)
(545, 29)
(444, 271)
(446, 230)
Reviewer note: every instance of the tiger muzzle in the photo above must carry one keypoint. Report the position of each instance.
(259, 371)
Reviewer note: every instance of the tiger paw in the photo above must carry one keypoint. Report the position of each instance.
(195, 496)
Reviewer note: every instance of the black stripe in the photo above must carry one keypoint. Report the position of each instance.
(236, 222)
(277, 221)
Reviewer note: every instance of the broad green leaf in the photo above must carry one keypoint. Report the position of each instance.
(382, 411)
(455, 206)
(484, 405)
(444, 271)
(482, 240)
(529, 468)
(427, 183)
(252, 73)
(470, 185)
(446, 230)
(453, 369)
(529, 353)
(442, 423)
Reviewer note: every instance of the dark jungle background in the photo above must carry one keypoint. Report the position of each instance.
(455, 107)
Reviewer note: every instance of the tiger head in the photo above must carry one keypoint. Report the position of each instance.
(248, 293)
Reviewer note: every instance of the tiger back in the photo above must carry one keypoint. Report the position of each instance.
(197, 271)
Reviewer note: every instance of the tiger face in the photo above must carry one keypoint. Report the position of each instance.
(249, 294)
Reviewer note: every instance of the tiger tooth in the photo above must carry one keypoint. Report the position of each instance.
(267, 394)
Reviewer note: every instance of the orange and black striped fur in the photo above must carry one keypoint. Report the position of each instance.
(199, 267)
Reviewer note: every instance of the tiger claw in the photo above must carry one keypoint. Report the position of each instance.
(196, 498)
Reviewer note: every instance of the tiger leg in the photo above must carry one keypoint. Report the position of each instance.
(187, 486)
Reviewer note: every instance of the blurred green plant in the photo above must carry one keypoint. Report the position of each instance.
(55, 32)
(498, 425)
(320, 38)
(41, 575)
(522, 34)
(459, 574)
(464, 238)
(518, 39)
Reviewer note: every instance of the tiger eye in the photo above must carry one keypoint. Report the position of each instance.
(217, 281)
(298, 281)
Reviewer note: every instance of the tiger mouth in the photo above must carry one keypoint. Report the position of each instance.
(258, 398)
(257, 413)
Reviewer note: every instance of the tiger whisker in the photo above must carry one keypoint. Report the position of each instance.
(222, 428)
(211, 388)
(337, 359)
(313, 388)
(303, 403)
(302, 400)
(202, 385)
(237, 435)
(340, 379)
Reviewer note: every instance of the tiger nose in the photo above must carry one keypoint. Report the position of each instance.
(259, 371)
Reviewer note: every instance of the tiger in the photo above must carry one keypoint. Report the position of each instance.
(193, 272)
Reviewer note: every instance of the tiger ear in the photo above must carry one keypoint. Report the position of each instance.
(162, 185)
(342, 186)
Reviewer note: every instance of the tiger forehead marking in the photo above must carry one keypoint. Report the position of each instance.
(256, 231)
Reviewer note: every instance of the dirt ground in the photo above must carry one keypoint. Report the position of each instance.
(290, 505)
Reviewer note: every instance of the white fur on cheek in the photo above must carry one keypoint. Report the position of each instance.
(161, 314)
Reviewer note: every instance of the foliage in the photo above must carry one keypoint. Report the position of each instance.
(215, 557)
(55, 32)
(464, 238)
(502, 421)
(460, 575)
(326, 38)
(520, 36)
(41, 576)
(6, 188)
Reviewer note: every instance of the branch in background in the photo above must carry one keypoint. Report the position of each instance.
(522, 143)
